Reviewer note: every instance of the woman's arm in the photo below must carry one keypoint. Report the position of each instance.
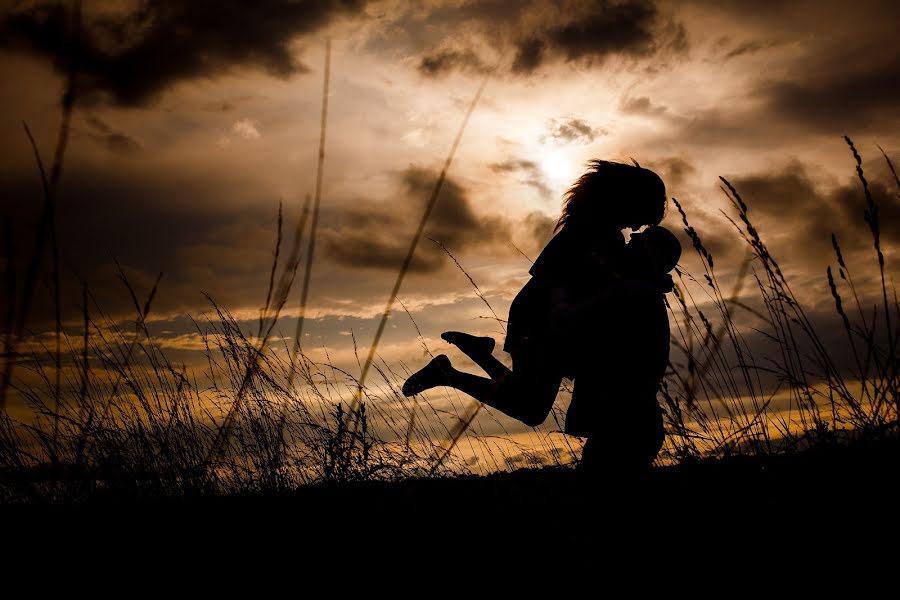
(569, 314)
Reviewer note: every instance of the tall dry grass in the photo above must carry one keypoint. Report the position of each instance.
(720, 389)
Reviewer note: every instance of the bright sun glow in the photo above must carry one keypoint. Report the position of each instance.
(556, 167)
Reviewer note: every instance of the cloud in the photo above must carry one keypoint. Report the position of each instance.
(800, 216)
(375, 236)
(513, 165)
(203, 234)
(673, 170)
(445, 61)
(796, 217)
(571, 130)
(537, 228)
(841, 95)
(453, 220)
(216, 234)
(529, 172)
(219, 106)
(379, 247)
(641, 105)
(725, 48)
(721, 242)
(132, 57)
(114, 141)
(609, 27)
(723, 127)
(225, 105)
(781, 82)
(528, 34)
(749, 47)
(247, 129)
(833, 82)
(529, 55)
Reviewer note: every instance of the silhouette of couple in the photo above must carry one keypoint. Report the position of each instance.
(593, 311)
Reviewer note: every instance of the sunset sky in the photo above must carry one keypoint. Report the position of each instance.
(193, 120)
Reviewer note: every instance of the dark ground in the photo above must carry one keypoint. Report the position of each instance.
(821, 507)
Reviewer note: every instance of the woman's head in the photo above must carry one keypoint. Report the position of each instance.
(616, 195)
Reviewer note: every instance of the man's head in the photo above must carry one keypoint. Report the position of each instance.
(655, 250)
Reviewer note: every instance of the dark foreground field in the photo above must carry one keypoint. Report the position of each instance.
(824, 507)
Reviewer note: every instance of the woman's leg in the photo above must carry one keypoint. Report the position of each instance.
(526, 393)
(440, 372)
(480, 350)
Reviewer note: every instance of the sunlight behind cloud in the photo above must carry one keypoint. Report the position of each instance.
(557, 167)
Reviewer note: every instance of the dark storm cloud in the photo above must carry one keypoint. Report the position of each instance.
(529, 173)
(529, 55)
(608, 27)
(571, 130)
(726, 48)
(805, 68)
(798, 13)
(528, 34)
(453, 221)
(789, 203)
(748, 47)
(845, 94)
(150, 224)
(378, 243)
(114, 141)
(378, 236)
(134, 57)
(796, 216)
(445, 61)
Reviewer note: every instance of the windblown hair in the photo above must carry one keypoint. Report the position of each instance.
(614, 193)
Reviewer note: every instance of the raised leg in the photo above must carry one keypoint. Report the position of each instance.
(434, 374)
(479, 349)
(527, 395)
(440, 372)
